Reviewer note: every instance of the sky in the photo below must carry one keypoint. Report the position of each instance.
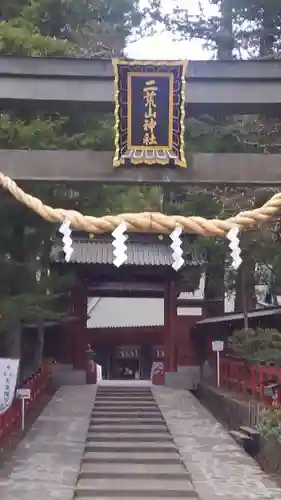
(163, 46)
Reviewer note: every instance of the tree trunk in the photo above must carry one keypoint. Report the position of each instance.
(266, 36)
(14, 346)
(214, 286)
(38, 357)
(245, 298)
(225, 36)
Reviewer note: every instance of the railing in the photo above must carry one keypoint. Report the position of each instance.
(254, 413)
(37, 384)
(248, 379)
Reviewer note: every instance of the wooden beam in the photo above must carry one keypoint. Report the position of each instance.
(127, 289)
(96, 166)
(196, 302)
(234, 86)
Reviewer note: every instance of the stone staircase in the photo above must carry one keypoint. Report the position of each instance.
(129, 452)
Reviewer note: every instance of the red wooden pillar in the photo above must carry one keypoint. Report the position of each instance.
(170, 316)
(166, 330)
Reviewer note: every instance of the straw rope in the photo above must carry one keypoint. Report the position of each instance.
(153, 222)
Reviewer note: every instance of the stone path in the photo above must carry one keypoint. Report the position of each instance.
(136, 442)
(46, 463)
(219, 468)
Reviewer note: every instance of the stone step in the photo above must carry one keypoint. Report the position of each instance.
(124, 388)
(146, 447)
(159, 497)
(112, 476)
(131, 468)
(125, 394)
(253, 433)
(126, 415)
(180, 488)
(125, 397)
(127, 436)
(240, 437)
(125, 410)
(125, 401)
(126, 406)
(128, 421)
(123, 391)
(134, 457)
(132, 428)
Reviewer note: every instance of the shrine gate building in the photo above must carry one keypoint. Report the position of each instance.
(148, 276)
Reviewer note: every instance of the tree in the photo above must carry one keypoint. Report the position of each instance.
(237, 28)
(67, 27)
(258, 27)
(257, 345)
(42, 28)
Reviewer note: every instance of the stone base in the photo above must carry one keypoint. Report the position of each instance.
(187, 377)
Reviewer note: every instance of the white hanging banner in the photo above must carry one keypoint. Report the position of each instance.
(8, 380)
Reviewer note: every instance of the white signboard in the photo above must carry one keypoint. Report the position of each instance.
(23, 393)
(99, 373)
(217, 345)
(8, 380)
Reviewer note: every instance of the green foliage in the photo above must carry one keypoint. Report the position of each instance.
(270, 426)
(100, 28)
(67, 27)
(257, 345)
(28, 291)
(92, 131)
(20, 38)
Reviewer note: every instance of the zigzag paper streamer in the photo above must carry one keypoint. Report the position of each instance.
(67, 240)
(177, 249)
(120, 249)
(232, 236)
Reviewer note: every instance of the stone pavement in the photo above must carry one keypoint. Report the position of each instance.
(219, 468)
(46, 463)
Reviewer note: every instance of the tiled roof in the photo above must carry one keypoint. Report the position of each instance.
(139, 253)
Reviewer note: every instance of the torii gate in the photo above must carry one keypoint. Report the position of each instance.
(232, 86)
(240, 86)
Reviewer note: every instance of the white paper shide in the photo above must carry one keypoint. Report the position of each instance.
(8, 380)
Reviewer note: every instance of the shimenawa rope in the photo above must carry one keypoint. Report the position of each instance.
(153, 222)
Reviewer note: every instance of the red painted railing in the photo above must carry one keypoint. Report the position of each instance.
(248, 379)
(37, 384)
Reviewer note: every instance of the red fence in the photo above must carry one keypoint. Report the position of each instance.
(248, 379)
(37, 384)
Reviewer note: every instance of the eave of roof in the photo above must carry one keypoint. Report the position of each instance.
(154, 252)
(259, 313)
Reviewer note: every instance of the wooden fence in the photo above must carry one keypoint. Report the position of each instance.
(248, 379)
(37, 384)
